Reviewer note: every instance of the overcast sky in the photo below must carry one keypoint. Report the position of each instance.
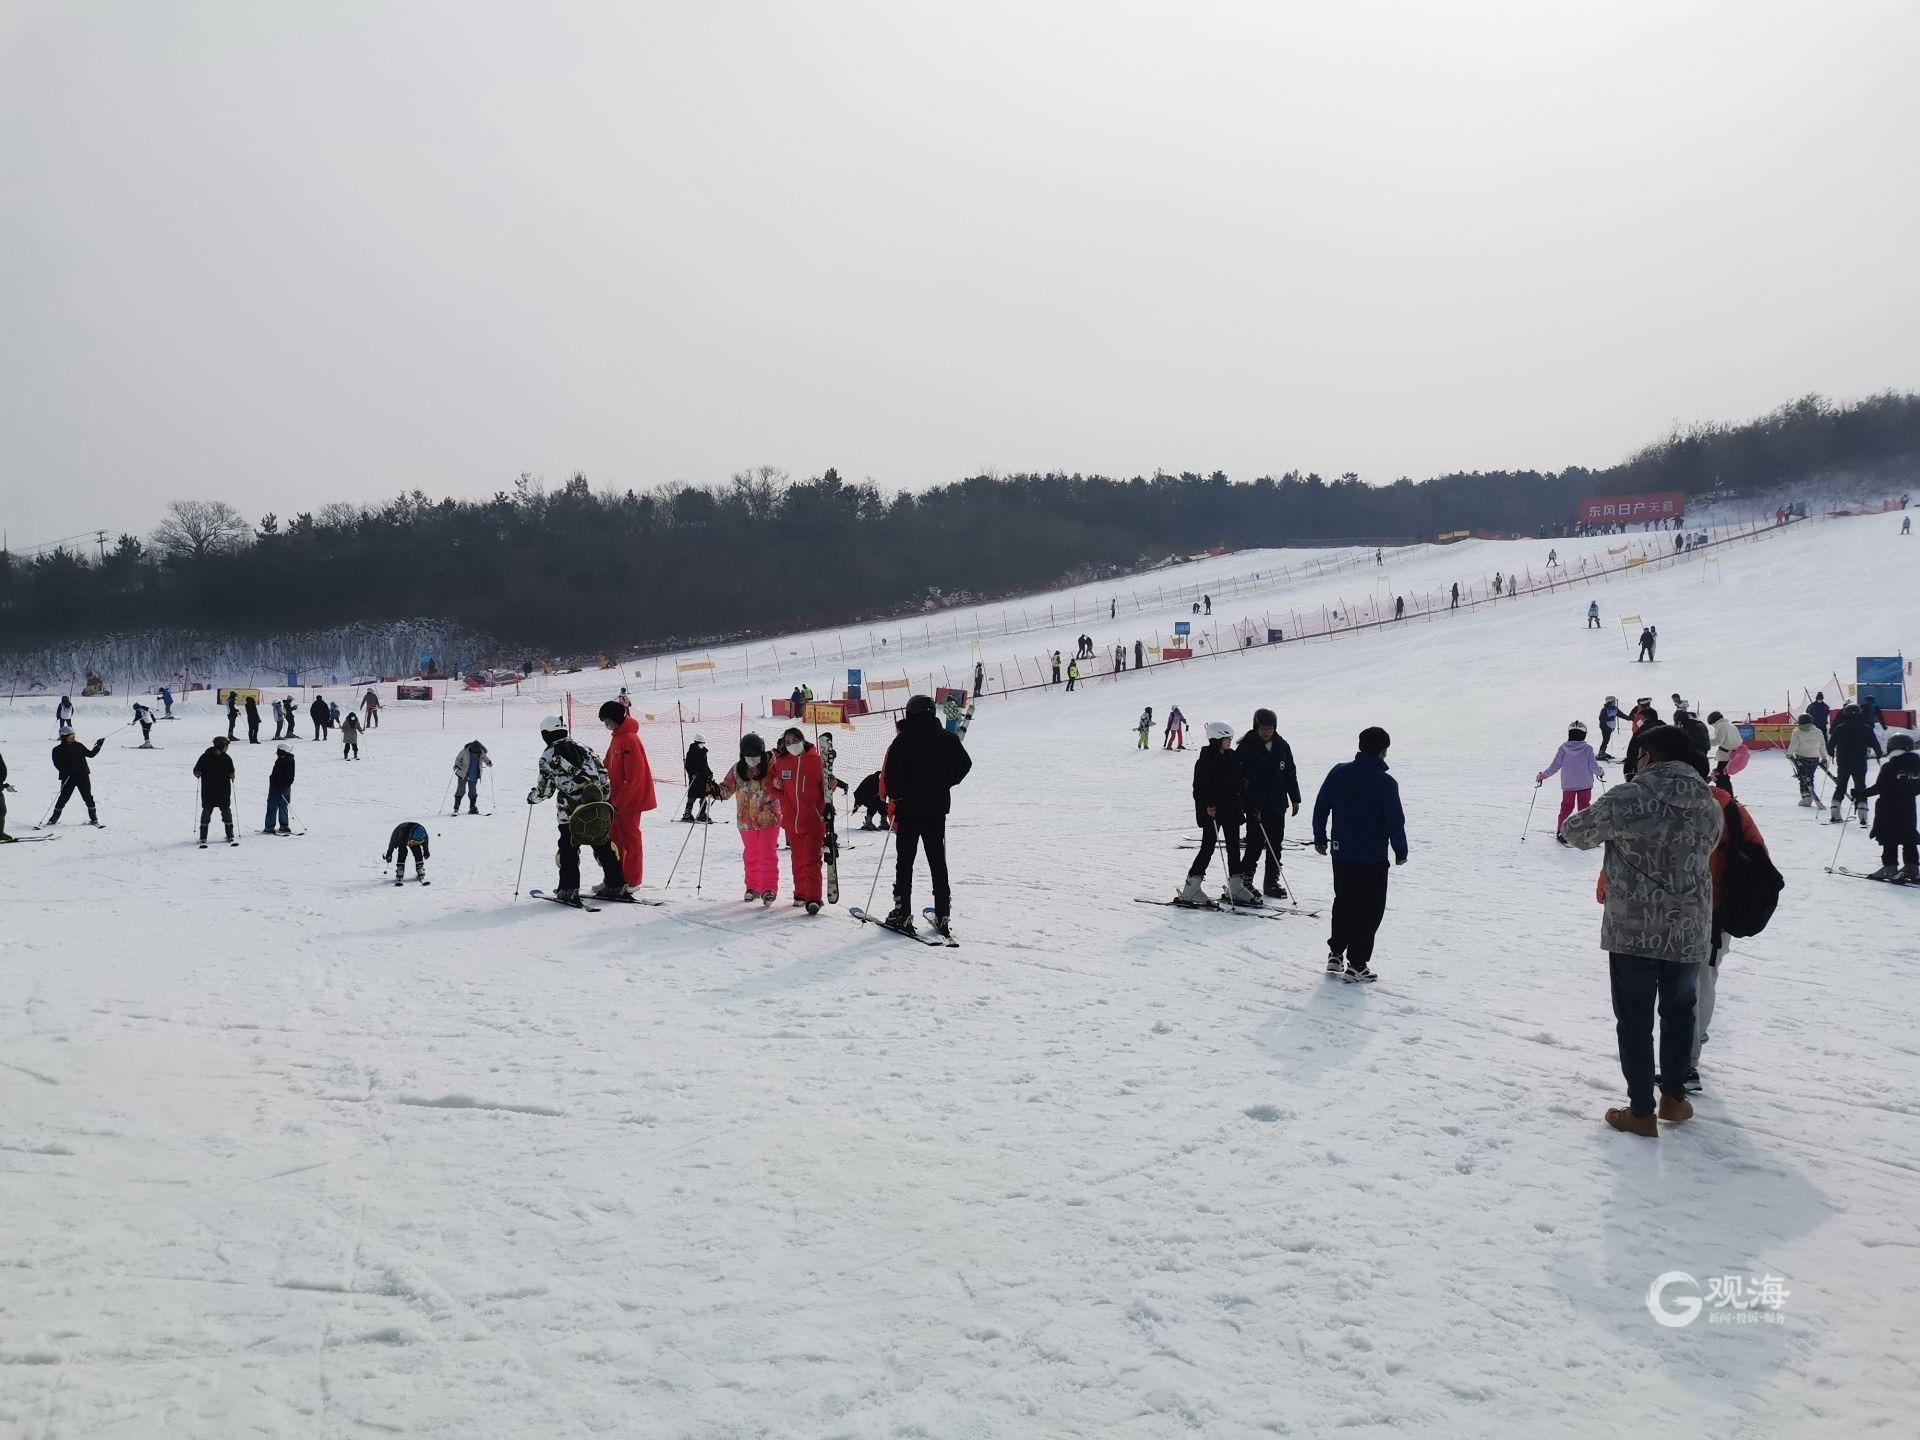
(286, 253)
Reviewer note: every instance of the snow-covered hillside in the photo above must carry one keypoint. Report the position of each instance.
(285, 1152)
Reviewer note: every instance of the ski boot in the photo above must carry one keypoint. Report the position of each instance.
(943, 926)
(1239, 892)
(1194, 893)
(767, 898)
(1274, 890)
(1885, 872)
(752, 895)
(1336, 964)
(900, 918)
(565, 897)
(1834, 817)
(1859, 809)
(283, 830)
(604, 891)
(1806, 802)
(813, 906)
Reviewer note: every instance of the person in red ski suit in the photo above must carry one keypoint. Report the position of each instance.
(798, 786)
(630, 783)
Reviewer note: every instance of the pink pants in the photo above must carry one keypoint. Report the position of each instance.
(1570, 801)
(762, 859)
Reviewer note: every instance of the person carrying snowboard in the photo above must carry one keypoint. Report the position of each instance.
(1363, 802)
(574, 776)
(1175, 737)
(756, 813)
(1609, 722)
(350, 736)
(143, 717)
(700, 781)
(279, 793)
(1807, 750)
(70, 763)
(798, 786)
(1144, 727)
(1574, 762)
(214, 770)
(253, 720)
(409, 838)
(1219, 803)
(1266, 765)
(1897, 786)
(470, 760)
(629, 786)
(922, 766)
(1852, 741)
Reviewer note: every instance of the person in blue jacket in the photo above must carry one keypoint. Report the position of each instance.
(1266, 764)
(1364, 804)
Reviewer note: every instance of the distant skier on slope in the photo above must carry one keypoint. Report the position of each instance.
(370, 707)
(1648, 637)
(350, 736)
(409, 837)
(279, 793)
(1574, 762)
(214, 771)
(468, 762)
(1593, 614)
(1143, 727)
(233, 712)
(5, 790)
(1175, 736)
(1219, 805)
(574, 776)
(143, 717)
(1609, 722)
(1807, 750)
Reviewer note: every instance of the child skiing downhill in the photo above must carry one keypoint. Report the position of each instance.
(214, 771)
(756, 811)
(1219, 799)
(1807, 749)
(1897, 786)
(574, 776)
(467, 765)
(409, 836)
(1577, 768)
(1145, 727)
(1176, 732)
(279, 792)
(797, 783)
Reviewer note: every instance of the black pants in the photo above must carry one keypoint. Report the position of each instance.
(1606, 737)
(696, 794)
(84, 784)
(420, 866)
(253, 731)
(1359, 905)
(913, 832)
(1889, 850)
(1646, 650)
(1852, 781)
(233, 719)
(875, 818)
(207, 807)
(1263, 838)
(1593, 622)
(1056, 674)
(1804, 771)
(3, 812)
(570, 861)
(1228, 831)
(146, 733)
(1638, 984)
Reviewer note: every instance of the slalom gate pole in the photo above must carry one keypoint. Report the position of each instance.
(676, 859)
(524, 835)
(1527, 824)
(874, 888)
(446, 792)
(700, 874)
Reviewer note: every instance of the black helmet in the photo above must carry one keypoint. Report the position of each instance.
(920, 705)
(751, 745)
(1264, 716)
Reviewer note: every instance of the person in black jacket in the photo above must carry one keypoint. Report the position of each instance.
(1266, 764)
(5, 790)
(322, 717)
(253, 720)
(1851, 741)
(70, 759)
(409, 836)
(214, 770)
(866, 796)
(699, 780)
(1647, 641)
(1819, 710)
(1219, 802)
(279, 792)
(922, 766)
(233, 711)
(1645, 718)
(1898, 786)
(1695, 729)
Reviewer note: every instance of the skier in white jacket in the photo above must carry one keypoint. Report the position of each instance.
(1726, 739)
(1807, 749)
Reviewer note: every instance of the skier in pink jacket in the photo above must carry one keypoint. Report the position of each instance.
(1577, 769)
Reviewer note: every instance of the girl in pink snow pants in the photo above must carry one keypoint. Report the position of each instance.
(757, 812)
(1577, 768)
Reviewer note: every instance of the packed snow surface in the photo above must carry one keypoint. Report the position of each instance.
(287, 1151)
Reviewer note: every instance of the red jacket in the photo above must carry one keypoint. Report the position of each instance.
(798, 785)
(629, 777)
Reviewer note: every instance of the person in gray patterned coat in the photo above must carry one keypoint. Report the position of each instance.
(1659, 828)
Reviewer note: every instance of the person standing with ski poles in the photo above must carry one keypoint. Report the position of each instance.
(1219, 803)
(1266, 763)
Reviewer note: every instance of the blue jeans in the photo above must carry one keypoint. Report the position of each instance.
(1638, 984)
(277, 810)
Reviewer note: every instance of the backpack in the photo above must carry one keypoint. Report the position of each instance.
(1750, 886)
(590, 821)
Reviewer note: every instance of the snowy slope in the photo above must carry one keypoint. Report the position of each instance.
(286, 1151)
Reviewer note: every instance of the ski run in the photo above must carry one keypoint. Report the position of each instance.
(285, 1153)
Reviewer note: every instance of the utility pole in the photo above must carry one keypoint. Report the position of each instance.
(100, 537)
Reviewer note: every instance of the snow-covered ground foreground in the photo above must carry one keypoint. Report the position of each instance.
(286, 1151)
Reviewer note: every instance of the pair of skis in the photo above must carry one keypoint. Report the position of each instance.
(928, 936)
(1862, 875)
(1255, 912)
(581, 904)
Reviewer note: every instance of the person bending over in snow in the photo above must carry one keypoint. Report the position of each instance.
(409, 837)
(577, 780)
(143, 717)
(1577, 768)
(866, 796)
(214, 770)
(699, 781)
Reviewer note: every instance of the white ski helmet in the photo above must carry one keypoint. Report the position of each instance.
(1577, 729)
(552, 728)
(1218, 730)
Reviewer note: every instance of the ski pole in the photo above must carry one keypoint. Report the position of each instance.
(1529, 820)
(1279, 862)
(676, 860)
(1844, 827)
(700, 873)
(446, 792)
(1226, 866)
(524, 835)
(874, 888)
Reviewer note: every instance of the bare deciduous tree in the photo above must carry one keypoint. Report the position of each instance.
(194, 529)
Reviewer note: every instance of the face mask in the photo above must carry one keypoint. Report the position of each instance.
(796, 747)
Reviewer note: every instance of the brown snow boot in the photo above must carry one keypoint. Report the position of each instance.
(1675, 1108)
(1625, 1119)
